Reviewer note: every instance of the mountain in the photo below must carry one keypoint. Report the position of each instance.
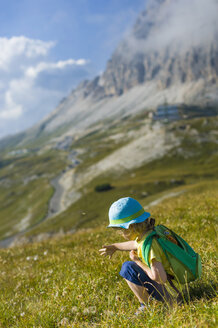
(142, 129)
(170, 56)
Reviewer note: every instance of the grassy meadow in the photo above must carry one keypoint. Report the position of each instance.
(25, 188)
(25, 180)
(194, 161)
(65, 283)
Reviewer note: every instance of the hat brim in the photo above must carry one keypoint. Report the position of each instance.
(126, 225)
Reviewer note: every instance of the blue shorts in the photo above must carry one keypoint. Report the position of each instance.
(134, 273)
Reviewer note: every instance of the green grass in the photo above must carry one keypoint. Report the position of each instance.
(171, 173)
(197, 162)
(24, 201)
(25, 188)
(65, 283)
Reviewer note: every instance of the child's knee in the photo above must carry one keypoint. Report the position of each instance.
(126, 267)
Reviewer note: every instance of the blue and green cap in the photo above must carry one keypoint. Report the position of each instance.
(126, 211)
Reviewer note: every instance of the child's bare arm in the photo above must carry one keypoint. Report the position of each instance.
(125, 246)
(156, 272)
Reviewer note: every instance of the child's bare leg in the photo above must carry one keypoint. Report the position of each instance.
(139, 291)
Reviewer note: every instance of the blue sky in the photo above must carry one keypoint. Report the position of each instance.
(48, 46)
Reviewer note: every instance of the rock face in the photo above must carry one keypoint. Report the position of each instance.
(144, 56)
(164, 46)
(164, 67)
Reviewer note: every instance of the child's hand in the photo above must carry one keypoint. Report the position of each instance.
(107, 250)
(133, 256)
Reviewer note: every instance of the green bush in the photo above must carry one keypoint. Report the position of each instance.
(103, 187)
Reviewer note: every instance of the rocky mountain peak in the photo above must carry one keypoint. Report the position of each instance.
(169, 43)
(170, 55)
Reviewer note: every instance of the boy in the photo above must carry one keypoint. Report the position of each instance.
(128, 217)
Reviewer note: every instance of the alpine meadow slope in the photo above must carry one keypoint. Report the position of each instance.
(63, 283)
(109, 128)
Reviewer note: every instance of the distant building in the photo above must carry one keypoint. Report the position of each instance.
(18, 152)
(167, 113)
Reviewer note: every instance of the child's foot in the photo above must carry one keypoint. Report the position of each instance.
(141, 309)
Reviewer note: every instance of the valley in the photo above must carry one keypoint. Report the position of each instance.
(166, 157)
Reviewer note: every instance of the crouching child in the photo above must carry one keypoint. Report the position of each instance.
(149, 273)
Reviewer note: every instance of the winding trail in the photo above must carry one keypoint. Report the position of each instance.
(55, 202)
(61, 199)
(160, 199)
(64, 195)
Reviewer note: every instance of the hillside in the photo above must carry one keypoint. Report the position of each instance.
(65, 283)
(50, 189)
(169, 56)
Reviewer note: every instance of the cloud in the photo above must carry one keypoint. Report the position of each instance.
(45, 66)
(177, 24)
(13, 48)
(11, 110)
(187, 23)
(31, 84)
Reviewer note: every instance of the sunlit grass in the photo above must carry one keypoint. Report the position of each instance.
(25, 187)
(65, 283)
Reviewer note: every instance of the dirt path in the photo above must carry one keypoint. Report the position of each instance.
(64, 194)
(160, 199)
(61, 199)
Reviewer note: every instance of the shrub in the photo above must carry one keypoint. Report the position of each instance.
(103, 187)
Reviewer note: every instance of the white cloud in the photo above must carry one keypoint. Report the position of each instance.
(187, 22)
(15, 47)
(30, 87)
(178, 24)
(46, 66)
(11, 110)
